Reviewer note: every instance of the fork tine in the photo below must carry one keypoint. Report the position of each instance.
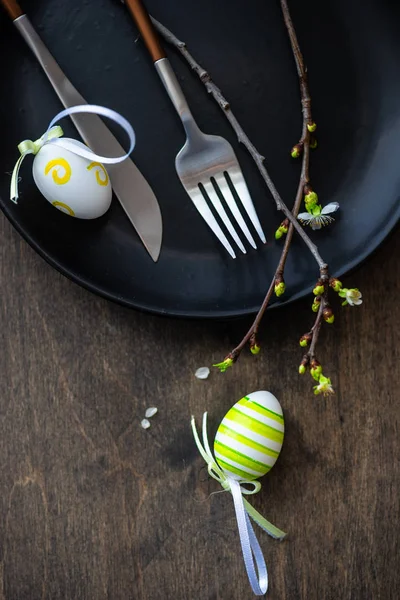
(225, 190)
(236, 176)
(216, 202)
(203, 208)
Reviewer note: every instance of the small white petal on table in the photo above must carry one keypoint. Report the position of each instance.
(145, 423)
(202, 373)
(150, 412)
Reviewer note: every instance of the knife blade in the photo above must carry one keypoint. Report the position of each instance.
(131, 188)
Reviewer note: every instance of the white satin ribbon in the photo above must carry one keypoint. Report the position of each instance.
(52, 135)
(252, 553)
(250, 547)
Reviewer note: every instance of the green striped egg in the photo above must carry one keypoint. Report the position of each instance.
(250, 436)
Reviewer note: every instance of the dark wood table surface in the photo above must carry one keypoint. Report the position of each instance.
(94, 507)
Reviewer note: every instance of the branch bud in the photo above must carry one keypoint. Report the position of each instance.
(254, 345)
(282, 229)
(328, 315)
(335, 284)
(313, 142)
(307, 189)
(316, 304)
(311, 199)
(225, 364)
(315, 369)
(319, 288)
(296, 151)
(305, 340)
(311, 127)
(303, 366)
(279, 286)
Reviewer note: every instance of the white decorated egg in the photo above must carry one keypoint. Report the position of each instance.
(76, 186)
(250, 436)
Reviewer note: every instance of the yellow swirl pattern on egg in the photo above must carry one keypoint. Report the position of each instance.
(59, 162)
(101, 181)
(63, 207)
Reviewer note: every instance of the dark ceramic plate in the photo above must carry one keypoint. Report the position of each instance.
(352, 49)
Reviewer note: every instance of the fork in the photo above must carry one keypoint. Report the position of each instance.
(206, 165)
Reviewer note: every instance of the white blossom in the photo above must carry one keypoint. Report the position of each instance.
(320, 217)
(353, 297)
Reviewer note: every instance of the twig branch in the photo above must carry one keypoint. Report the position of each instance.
(216, 93)
(307, 118)
(253, 331)
(316, 329)
(305, 177)
(251, 335)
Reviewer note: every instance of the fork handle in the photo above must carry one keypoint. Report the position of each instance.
(146, 28)
(161, 63)
(13, 8)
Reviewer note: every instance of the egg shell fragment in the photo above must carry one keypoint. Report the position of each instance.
(249, 439)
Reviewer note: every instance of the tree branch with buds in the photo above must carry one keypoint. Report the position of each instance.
(325, 314)
(315, 215)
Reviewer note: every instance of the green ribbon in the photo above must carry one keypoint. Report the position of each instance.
(29, 147)
(219, 475)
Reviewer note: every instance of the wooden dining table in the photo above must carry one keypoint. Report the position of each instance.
(94, 507)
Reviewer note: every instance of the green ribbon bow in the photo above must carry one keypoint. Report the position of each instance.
(29, 147)
(215, 471)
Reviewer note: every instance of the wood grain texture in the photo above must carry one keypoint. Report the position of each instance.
(94, 507)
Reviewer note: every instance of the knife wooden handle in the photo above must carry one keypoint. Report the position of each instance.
(146, 28)
(13, 8)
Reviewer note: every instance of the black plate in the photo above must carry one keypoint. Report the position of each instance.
(352, 49)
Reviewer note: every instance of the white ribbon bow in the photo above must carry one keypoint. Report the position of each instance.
(252, 553)
(53, 133)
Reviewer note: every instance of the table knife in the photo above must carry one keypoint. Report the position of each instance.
(131, 188)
